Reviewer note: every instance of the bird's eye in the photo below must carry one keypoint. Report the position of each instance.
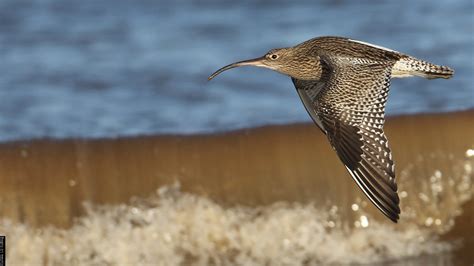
(274, 56)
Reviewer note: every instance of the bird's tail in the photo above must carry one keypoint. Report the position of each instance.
(410, 66)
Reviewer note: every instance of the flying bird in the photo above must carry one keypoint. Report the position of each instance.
(344, 85)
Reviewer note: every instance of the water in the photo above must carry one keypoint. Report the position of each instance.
(114, 68)
(118, 68)
(176, 228)
(173, 230)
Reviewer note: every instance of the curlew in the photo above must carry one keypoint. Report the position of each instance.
(344, 86)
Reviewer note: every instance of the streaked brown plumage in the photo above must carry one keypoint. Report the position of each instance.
(344, 86)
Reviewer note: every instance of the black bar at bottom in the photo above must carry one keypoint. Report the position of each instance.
(3, 250)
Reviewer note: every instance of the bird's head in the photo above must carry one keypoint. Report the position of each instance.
(288, 61)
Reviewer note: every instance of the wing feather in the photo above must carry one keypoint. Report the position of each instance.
(349, 106)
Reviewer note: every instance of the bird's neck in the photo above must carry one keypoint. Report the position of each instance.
(304, 69)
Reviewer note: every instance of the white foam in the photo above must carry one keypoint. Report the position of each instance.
(174, 227)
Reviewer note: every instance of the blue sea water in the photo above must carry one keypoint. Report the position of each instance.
(113, 68)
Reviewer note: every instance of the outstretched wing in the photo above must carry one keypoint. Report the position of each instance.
(348, 104)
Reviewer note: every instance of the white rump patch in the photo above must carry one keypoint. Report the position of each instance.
(402, 70)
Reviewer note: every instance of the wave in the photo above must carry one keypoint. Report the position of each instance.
(173, 227)
(275, 195)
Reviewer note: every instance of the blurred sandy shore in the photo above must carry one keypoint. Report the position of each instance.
(46, 181)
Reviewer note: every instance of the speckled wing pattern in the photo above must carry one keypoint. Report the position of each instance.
(348, 104)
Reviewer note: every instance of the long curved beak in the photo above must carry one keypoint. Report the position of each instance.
(251, 62)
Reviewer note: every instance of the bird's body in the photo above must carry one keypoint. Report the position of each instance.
(344, 86)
